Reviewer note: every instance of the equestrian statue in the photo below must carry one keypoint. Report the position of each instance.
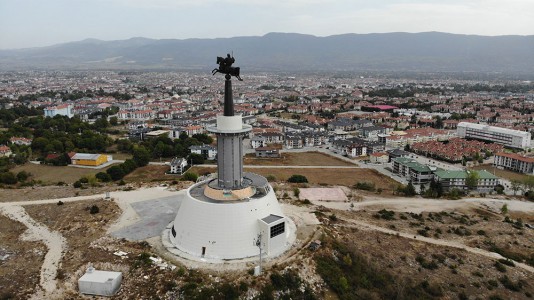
(225, 67)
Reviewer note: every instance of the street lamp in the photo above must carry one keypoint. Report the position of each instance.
(258, 244)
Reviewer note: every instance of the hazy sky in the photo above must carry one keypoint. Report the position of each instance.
(30, 23)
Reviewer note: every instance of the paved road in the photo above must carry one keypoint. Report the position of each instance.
(154, 216)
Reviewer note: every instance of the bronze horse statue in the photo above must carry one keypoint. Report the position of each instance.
(225, 67)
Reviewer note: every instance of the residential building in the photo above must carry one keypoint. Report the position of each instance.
(270, 152)
(20, 141)
(209, 152)
(514, 162)
(258, 141)
(397, 153)
(178, 165)
(412, 170)
(63, 109)
(356, 150)
(379, 158)
(371, 132)
(293, 142)
(5, 151)
(137, 124)
(507, 137)
(457, 180)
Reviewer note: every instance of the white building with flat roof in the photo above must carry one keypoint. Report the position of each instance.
(63, 109)
(504, 136)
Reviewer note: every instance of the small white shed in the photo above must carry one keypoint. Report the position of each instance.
(100, 283)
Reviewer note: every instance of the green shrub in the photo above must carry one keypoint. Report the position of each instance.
(431, 265)
(507, 262)
(366, 186)
(94, 209)
(190, 176)
(500, 267)
(386, 214)
(297, 179)
(271, 178)
(509, 284)
(103, 177)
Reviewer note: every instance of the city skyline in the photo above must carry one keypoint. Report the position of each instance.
(31, 23)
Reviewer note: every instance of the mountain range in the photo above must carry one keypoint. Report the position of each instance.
(410, 52)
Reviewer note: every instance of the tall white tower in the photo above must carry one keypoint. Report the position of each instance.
(222, 218)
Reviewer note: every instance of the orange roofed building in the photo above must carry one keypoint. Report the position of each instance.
(514, 162)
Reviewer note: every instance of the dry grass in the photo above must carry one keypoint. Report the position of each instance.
(346, 177)
(150, 173)
(54, 174)
(121, 156)
(502, 173)
(297, 159)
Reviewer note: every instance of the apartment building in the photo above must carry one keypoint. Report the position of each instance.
(506, 137)
(514, 162)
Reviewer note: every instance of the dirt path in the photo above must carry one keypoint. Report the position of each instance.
(53, 240)
(440, 242)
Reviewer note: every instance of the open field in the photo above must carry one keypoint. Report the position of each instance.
(346, 177)
(54, 174)
(501, 173)
(297, 159)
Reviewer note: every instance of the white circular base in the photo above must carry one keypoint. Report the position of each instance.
(214, 231)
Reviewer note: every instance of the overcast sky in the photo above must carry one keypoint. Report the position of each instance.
(31, 23)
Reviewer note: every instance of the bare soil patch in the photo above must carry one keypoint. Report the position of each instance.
(297, 159)
(19, 273)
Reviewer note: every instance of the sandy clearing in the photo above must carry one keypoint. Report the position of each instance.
(440, 242)
(53, 240)
(332, 194)
(303, 216)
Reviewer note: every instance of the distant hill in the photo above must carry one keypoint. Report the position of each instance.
(423, 52)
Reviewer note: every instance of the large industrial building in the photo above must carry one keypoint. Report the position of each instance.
(507, 137)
